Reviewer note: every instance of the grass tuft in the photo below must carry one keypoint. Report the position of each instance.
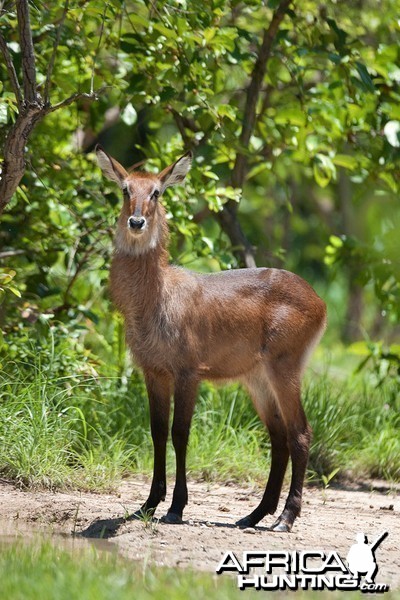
(89, 432)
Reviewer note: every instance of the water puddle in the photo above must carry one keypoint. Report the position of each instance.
(16, 531)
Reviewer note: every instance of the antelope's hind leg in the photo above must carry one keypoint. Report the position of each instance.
(265, 403)
(285, 377)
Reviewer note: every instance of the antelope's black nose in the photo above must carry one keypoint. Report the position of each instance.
(136, 222)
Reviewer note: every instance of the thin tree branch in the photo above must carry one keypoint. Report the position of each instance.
(180, 123)
(53, 54)
(98, 48)
(74, 98)
(228, 219)
(253, 91)
(11, 71)
(11, 253)
(27, 52)
(242, 248)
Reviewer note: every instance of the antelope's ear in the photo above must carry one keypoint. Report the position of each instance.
(176, 172)
(110, 167)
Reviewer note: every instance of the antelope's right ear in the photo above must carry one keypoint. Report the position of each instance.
(176, 172)
(111, 168)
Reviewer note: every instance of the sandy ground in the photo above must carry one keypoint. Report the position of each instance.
(330, 521)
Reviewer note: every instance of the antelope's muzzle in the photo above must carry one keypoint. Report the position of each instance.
(136, 224)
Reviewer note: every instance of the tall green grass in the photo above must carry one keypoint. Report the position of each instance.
(89, 431)
(57, 432)
(356, 427)
(44, 571)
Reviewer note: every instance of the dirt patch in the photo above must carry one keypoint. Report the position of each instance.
(330, 521)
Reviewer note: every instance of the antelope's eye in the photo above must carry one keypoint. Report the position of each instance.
(156, 193)
(125, 191)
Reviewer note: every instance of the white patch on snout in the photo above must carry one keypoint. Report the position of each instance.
(136, 242)
(137, 231)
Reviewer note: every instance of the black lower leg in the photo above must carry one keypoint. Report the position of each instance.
(270, 499)
(159, 399)
(158, 485)
(185, 396)
(299, 451)
(180, 495)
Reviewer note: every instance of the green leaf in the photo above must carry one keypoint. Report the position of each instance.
(323, 169)
(346, 161)
(21, 192)
(290, 115)
(168, 33)
(210, 175)
(365, 77)
(129, 115)
(340, 33)
(136, 19)
(390, 180)
(14, 290)
(336, 241)
(224, 110)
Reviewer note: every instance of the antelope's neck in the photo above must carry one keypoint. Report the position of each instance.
(137, 282)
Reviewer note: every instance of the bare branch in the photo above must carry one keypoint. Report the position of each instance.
(27, 52)
(53, 54)
(11, 253)
(242, 248)
(11, 71)
(228, 219)
(253, 91)
(13, 166)
(98, 48)
(74, 98)
(181, 124)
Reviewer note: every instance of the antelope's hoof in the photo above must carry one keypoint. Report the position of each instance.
(172, 519)
(142, 514)
(281, 526)
(246, 522)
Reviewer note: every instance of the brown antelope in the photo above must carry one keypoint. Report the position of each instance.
(256, 326)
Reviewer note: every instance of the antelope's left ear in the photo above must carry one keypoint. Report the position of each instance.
(111, 168)
(176, 172)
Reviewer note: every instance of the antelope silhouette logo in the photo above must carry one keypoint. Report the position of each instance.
(361, 557)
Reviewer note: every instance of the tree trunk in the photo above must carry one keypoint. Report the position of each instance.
(351, 330)
(13, 167)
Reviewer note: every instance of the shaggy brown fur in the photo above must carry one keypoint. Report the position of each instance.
(257, 326)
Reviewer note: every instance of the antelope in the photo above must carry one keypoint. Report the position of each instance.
(257, 326)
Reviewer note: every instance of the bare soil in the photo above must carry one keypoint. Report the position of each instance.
(330, 521)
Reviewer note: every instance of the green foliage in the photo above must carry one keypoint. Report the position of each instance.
(62, 423)
(179, 72)
(384, 361)
(355, 428)
(46, 571)
(47, 441)
(376, 264)
(175, 76)
(6, 277)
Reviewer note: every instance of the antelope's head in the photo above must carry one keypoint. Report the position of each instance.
(142, 219)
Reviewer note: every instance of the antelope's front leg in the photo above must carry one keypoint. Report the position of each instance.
(159, 389)
(184, 401)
